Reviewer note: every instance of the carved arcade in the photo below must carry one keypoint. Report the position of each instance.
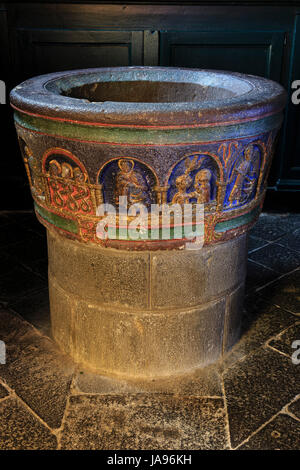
(226, 179)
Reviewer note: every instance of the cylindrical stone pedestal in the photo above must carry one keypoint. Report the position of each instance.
(146, 313)
(149, 306)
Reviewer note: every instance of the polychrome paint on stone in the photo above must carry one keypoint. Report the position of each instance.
(155, 136)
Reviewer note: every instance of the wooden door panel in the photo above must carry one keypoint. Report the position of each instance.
(43, 51)
(254, 52)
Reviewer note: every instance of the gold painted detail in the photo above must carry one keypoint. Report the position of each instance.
(67, 188)
(129, 183)
(231, 185)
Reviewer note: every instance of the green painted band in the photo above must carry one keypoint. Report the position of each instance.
(237, 221)
(178, 233)
(134, 135)
(68, 225)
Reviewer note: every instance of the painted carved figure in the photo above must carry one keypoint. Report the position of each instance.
(244, 181)
(79, 176)
(33, 171)
(202, 186)
(182, 183)
(66, 171)
(129, 183)
(54, 168)
(199, 183)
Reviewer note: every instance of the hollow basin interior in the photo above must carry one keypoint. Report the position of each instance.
(145, 91)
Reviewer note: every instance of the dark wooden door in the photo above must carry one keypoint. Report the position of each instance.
(289, 171)
(253, 52)
(41, 51)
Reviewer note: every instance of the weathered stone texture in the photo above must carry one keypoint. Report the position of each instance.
(142, 313)
(186, 278)
(100, 275)
(137, 343)
(139, 421)
(233, 318)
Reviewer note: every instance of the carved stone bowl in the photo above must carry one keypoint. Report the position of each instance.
(150, 306)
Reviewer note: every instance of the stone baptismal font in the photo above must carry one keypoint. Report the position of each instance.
(153, 301)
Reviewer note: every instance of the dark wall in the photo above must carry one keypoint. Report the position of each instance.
(261, 39)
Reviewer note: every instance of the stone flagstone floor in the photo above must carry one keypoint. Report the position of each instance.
(250, 401)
